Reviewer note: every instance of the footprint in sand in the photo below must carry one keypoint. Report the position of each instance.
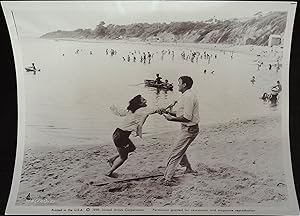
(41, 190)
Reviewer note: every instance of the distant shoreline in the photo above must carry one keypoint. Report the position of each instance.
(207, 126)
(220, 47)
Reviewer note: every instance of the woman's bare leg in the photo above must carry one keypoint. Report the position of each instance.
(117, 163)
(112, 159)
(118, 160)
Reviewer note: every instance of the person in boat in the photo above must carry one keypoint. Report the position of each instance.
(134, 118)
(187, 113)
(33, 68)
(158, 79)
(167, 84)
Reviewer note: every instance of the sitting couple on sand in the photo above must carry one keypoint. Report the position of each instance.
(187, 113)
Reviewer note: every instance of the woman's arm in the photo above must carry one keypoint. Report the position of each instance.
(144, 119)
(141, 123)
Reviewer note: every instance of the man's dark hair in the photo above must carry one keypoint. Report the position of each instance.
(187, 80)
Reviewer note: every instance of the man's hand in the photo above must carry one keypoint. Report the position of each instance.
(161, 111)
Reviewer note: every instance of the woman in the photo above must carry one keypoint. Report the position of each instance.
(135, 117)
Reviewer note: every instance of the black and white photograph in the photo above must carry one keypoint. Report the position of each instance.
(152, 107)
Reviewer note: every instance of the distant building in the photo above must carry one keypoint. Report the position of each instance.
(211, 21)
(275, 40)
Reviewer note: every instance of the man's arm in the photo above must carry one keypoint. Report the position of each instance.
(170, 113)
(176, 119)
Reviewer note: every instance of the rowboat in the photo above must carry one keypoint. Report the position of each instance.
(28, 69)
(152, 83)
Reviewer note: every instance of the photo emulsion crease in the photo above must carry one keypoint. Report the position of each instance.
(152, 107)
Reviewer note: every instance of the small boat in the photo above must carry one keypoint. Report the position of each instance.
(152, 83)
(29, 69)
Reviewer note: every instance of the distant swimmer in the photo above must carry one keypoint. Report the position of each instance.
(252, 80)
(212, 72)
(259, 64)
(277, 65)
(204, 71)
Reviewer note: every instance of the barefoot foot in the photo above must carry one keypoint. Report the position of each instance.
(111, 175)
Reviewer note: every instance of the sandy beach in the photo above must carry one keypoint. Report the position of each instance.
(238, 164)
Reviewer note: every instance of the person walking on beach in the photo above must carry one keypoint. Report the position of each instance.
(134, 118)
(187, 114)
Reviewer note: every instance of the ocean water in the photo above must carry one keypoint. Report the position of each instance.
(67, 102)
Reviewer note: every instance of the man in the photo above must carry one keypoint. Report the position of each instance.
(188, 115)
(158, 79)
(33, 68)
(274, 92)
(278, 87)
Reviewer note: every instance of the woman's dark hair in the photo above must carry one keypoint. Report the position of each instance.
(134, 103)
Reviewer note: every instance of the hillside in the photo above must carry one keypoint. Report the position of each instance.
(252, 31)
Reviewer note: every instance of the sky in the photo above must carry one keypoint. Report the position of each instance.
(37, 18)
